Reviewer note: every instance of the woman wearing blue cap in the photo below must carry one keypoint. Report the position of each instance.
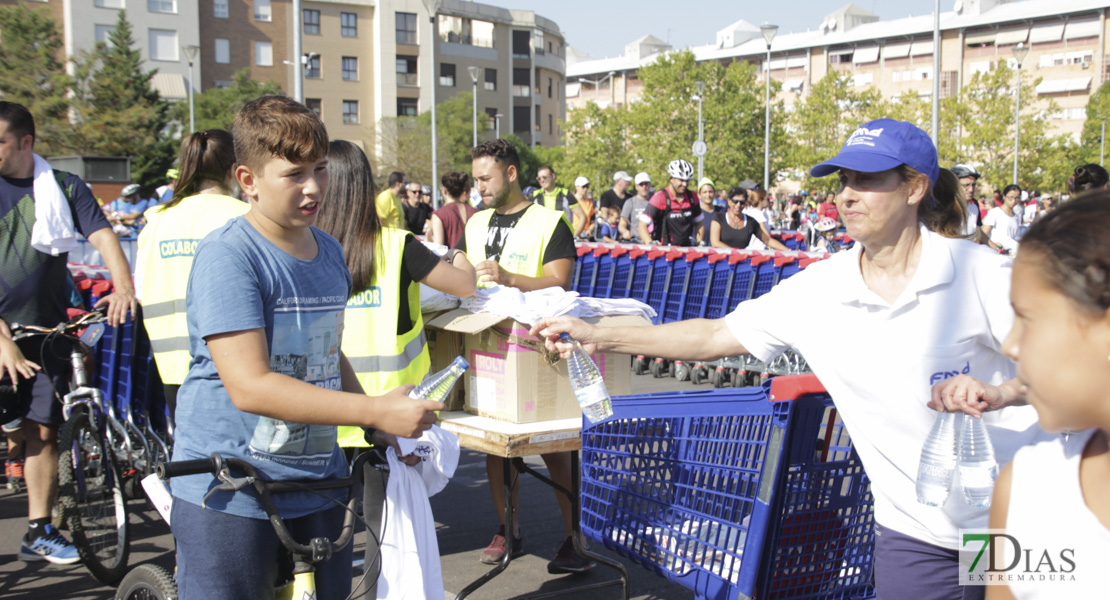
(910, 305)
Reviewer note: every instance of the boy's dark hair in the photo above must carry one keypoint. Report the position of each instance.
(455, 183)
(205, 155)
(278, 127)
(395, 178)
(1072, 244)
(20, 121)
(500, 150)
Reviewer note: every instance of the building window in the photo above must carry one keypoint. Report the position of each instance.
(223, 84)
(491, 80)
(350, 112)
(522, 43)
(406, 28)
(311, 22)
(522, 119)
(348, 24)
(538, 119)
(550, 124)
(163, 45)
(550, 86)
(263, 54)
(223, 51)
(406, 71)
(108, 3)
(537, 41)
(314, 105)
(468, 32)
(312, 66)
(406, 107)
(219, 9)
(262, 10)
(446, 75)
(162, 6)
(522, 84)
(102, 33)
(492, 114)
(350, 68)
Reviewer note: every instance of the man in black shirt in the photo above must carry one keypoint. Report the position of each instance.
(506, 253)
(614, 198)
(417, 213)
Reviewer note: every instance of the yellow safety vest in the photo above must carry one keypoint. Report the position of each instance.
(523, 251)
(381, 359)
(166, 248)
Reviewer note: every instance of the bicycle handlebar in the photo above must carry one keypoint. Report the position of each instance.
(318, 549)
(64, 329)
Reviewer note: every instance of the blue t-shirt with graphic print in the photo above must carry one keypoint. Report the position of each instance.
(242, 281)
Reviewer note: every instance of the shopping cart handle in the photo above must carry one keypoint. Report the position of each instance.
(792, 387)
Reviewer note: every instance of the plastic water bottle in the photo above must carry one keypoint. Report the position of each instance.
(589, 387)
(438, 385)
(938, 460)
(978, 468)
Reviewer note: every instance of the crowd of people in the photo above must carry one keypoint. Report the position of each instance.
(289, 328)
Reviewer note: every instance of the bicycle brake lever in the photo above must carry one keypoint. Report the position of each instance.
(230, 484)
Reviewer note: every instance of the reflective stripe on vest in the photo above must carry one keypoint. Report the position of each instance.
(381, 359)
(165, 257)
(523, 250)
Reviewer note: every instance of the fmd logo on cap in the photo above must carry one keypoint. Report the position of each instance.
(864, 136)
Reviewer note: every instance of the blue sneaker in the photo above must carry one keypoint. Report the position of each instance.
(51, 547)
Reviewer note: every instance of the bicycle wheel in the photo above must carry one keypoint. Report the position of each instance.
(147, 582)
(91, 494)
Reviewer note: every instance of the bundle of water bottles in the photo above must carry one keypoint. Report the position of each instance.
(957, 442)
(589, 386)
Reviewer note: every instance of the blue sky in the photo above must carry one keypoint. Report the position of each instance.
(602, 28)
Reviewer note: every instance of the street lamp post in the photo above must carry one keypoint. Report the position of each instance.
(474, 71)
(768, 32)
(298, 51)
(1102, 145)
(497, 125)
(433, 9)
(1019, 53)
(191, 55)
(700, 146)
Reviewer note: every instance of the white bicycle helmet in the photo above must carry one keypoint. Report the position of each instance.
(132, 188)
(826, 224)
(680, 169)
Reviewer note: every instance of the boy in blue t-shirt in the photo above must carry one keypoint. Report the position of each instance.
(267, 382)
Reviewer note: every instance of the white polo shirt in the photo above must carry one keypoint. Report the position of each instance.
(879, 361)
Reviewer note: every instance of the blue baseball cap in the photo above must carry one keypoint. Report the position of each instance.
(881, 145)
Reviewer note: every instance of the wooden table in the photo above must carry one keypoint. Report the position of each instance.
(514, 441)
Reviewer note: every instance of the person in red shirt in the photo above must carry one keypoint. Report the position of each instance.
(674, 209)
(828, 207)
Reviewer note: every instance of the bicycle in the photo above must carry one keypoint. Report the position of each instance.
(90, 489)
(152, 582)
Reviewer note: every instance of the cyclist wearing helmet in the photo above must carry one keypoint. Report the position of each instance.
(826, 236)
(127, 210)
(969, 178)
(674, 209)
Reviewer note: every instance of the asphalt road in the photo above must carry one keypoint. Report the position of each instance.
(465, 523)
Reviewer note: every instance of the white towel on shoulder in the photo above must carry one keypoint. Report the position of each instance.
(53, 232)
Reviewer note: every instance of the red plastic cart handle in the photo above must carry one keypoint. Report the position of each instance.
(792, 387)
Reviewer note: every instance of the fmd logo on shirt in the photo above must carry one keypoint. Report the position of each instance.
(172, 248)
(942, 375)
(370, 298)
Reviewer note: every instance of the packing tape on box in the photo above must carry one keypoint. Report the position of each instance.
(551, 358)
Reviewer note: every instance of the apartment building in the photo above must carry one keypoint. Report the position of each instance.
(237, 34)
(1066, 40)
(518, 58)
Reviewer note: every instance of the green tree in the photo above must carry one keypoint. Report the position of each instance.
(116, 112)
(215, 108)
(406, 142)
(597, 146)
(33, 75)
(983, 113)
(821, 123)
(1091, 142)
(454, 131)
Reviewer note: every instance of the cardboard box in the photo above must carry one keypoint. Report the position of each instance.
(510, 379)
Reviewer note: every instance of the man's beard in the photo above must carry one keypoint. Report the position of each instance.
(499, 201)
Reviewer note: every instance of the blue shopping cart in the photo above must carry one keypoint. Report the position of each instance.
(734, 494)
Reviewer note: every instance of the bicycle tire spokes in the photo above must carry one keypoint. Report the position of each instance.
(91, 493)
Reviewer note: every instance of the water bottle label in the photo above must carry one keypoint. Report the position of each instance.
(977, 477)
(591, 394)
